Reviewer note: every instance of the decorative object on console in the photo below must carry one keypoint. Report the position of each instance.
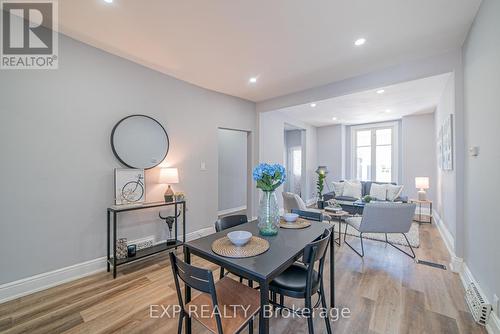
(139, 141)
(320, 185)
(268, 178)
(129, 186)
(170, 221)
(121, 248)
(179, 197)
(169, 176)
(422, 183)
(131, 250)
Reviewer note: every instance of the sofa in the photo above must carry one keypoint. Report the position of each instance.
(365, 190)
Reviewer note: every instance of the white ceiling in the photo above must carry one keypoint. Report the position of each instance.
(412, 97)
(290, 45)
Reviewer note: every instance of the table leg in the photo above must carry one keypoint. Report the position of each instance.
(430, 213)
(108, 242)
(332, 270)
(187, 290)
(184, 222)
(114, 244)
(264, 303)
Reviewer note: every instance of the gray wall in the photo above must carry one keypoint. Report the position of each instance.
(446, 180)
(482, 125)
(57, 164)
(418, 153)
(330, 152)
(232, 169)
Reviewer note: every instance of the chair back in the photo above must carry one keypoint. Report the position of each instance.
(292, 201)
(387, 217)
(230, 221)
(309, 215)
(196, 278)
(316, 250)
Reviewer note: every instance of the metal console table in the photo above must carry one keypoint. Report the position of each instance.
(161, 247)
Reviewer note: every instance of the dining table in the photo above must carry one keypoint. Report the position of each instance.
(284, 249)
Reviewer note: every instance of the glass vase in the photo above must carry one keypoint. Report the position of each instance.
(269, 215)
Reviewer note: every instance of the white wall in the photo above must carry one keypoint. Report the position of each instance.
(272, 146)
(446, 180)
(232, 150)
(57, 164)
(418, 153)
(331, 152)
(482, 128)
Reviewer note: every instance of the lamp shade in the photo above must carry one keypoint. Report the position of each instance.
(422, 182)
(322, 170)
(169, 176)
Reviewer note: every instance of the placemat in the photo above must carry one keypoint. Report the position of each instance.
(255, 246)
(299, 223)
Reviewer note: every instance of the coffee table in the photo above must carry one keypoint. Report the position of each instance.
(339, 215)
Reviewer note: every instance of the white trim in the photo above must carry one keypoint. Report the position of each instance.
(50, 279)
(29, 285)
(394, 125)
(231, 210)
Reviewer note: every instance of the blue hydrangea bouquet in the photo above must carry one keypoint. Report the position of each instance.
(269, 177)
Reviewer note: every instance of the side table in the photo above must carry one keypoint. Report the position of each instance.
(419, 216)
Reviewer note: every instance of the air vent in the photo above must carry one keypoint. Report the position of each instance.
(432, 264)
(478, 307)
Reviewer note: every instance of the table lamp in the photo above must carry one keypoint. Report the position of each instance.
(169, 176)
(422, 183)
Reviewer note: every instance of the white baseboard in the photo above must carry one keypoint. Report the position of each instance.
(449, 241)
(231, 210)
(50, 279)
(29, 285)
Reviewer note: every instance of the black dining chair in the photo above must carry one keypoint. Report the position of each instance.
(310, 215)
(228, 222)
(302, 281)
(226, 292)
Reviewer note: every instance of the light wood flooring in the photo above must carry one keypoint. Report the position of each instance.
(386, 292)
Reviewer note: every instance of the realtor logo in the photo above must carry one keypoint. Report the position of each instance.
(29, 34)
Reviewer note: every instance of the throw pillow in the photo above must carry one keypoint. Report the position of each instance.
(378, 191)
(352, 189)
(393, 192)
(338, 188)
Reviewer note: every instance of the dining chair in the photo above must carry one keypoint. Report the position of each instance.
(383, 218)
(220, 298)
(302, 281)
(228, 222)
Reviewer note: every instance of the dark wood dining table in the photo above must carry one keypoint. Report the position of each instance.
(285, 248)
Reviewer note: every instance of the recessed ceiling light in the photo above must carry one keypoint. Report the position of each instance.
(334, 118)
(387, 110)
(360, 41)
(313, 105)
(380, 91)
(253, 80)
(108, 1)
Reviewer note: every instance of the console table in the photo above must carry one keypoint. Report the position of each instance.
(161, 247)
(421, 217)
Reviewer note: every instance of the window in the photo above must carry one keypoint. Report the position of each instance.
(374, 152)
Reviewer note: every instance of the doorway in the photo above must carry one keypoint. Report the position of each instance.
(233, 171)
(294, 159)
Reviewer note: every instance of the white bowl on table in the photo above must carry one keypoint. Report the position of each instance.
(290, 217)
(239, 238)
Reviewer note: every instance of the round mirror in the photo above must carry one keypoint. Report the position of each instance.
(139, 141)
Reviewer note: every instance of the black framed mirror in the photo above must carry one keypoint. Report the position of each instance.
(139, 141)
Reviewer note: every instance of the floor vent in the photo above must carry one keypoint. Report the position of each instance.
(478, 307)
(432, 264)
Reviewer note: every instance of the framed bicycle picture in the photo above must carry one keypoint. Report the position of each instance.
(130, 187)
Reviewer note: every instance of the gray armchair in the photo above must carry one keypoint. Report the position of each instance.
(293, 202)
(383, 218)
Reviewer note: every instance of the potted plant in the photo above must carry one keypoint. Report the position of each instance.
(269, 178)
(320, 184)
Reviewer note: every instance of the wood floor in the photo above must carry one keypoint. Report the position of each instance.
(386, 292)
